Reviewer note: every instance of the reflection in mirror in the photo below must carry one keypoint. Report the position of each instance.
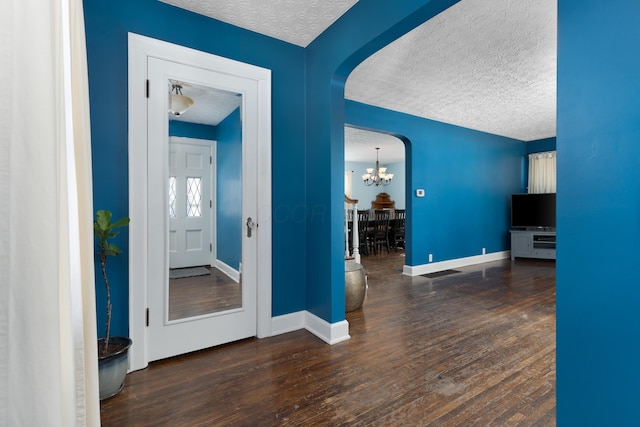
(204, 200)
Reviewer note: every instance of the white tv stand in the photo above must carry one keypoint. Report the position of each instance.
(533, 243)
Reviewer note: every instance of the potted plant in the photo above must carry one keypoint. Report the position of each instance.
(112, 351)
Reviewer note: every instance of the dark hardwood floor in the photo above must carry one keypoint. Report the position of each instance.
(473, 348)
(196, 296)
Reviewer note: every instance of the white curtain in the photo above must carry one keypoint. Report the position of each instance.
(542, 172)
(48, 360)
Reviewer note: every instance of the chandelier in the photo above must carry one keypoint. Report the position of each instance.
(377, 176)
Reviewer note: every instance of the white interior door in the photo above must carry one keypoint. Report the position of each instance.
(190, 205)
(147, 262)
(167, 337)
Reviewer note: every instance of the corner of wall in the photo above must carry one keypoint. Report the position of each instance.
(331, 333)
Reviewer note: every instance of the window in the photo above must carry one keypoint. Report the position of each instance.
(194, 197)
(172, 197)
(542, 172)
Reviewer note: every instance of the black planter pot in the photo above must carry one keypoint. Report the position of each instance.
(112, 368)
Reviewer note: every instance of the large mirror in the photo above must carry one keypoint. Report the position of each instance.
(204, 200)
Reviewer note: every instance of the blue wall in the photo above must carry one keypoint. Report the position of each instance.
(468, 177)
(229, 190)
(598, 146)
(361, 31)
(192, 130)
(541, 145)
(107, 24)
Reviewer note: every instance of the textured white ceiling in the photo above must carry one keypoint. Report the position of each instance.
(360, 146)
(488, 65)
(295, 21)
(484, 65)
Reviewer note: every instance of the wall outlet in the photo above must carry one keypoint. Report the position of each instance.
(430, 257)
(484, 251)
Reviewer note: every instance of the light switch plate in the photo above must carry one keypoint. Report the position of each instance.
(419, 192)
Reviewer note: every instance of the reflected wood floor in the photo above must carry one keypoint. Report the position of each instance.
(199, 295)
(474, 348)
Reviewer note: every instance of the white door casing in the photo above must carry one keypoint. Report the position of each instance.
(148, 266)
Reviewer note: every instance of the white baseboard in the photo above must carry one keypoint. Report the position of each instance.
(232, 273)
(434, 267)
(331, 333)
(287, 323)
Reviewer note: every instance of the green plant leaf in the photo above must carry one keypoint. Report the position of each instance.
(104, 230)
(112, 249)
(122, 222)
(103, 220)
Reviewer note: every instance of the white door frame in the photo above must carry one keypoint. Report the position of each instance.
(140, 48)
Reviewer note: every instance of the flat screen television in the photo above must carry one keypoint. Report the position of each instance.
(533, 210)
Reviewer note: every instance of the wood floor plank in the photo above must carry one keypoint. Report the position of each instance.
(200, 295)
(471, 348)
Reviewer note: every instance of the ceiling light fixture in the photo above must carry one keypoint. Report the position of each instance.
(179, 102)
(377, 176)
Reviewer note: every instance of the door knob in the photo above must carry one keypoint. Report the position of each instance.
(250, 225)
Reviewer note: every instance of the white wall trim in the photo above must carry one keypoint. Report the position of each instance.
(229, 271)
(287, 323)
(265, 260)
(331, 333)
(434, 267)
